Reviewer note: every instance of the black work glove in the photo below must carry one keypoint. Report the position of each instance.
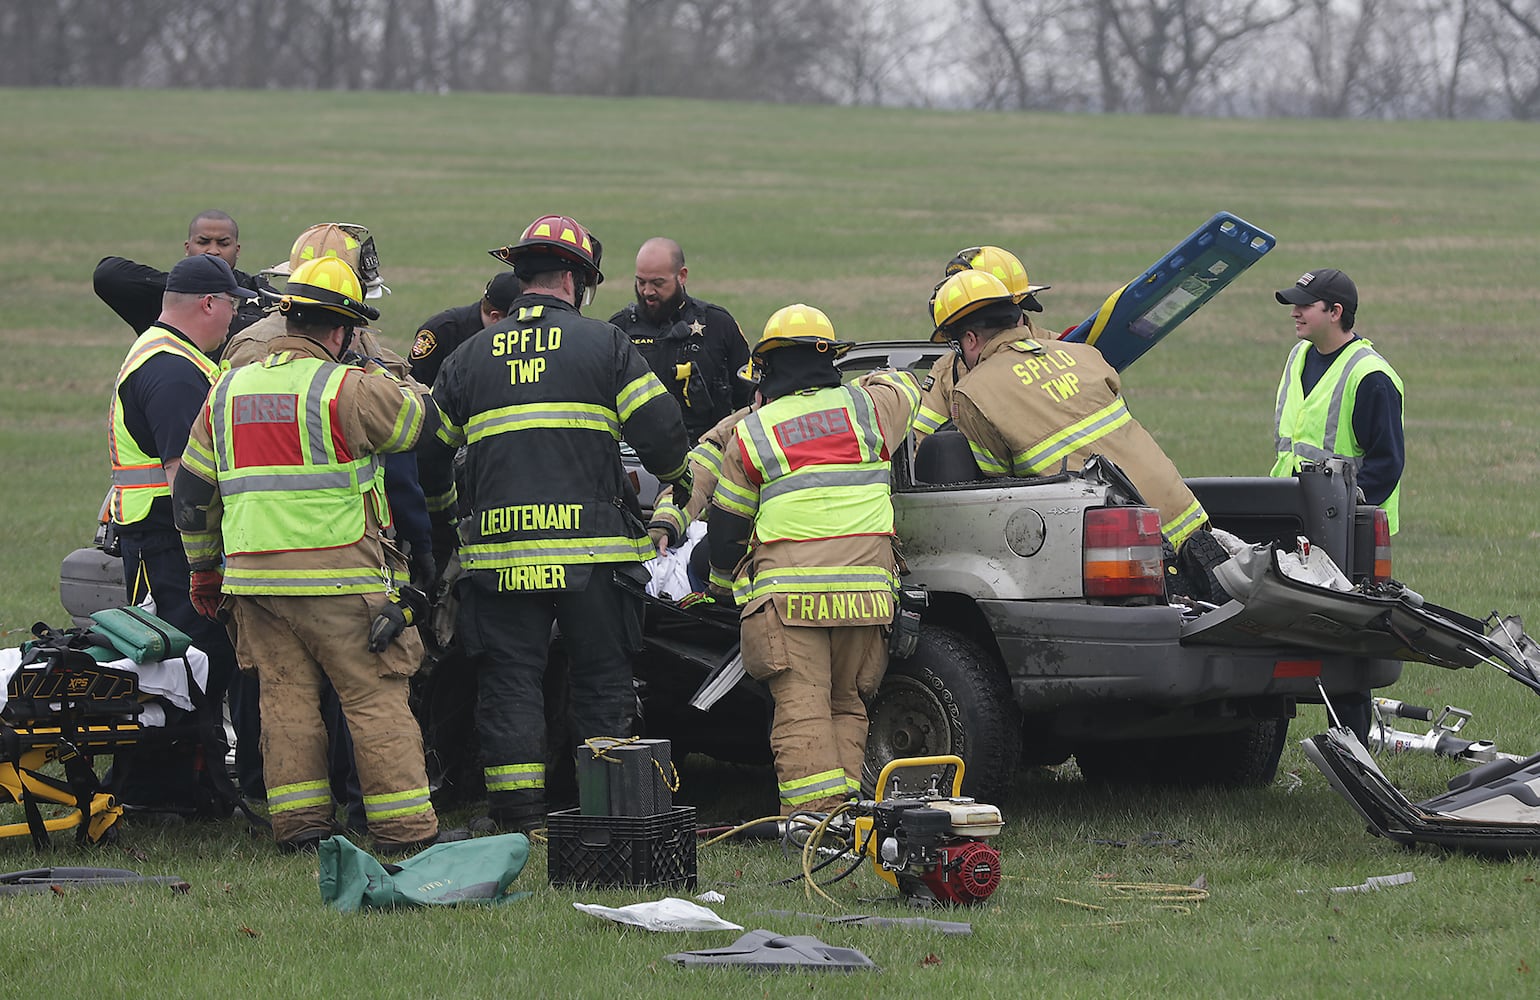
(424, 569)
(407, 606)
(683, 487)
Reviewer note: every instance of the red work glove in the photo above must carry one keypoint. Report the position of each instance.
(204, 587)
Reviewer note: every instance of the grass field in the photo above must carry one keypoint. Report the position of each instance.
(854, 211)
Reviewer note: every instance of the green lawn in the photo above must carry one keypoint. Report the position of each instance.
(855, 211)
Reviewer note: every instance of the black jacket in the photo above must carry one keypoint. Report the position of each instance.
(134, 292)
(540, 401)
(438, 337)
(705, 337)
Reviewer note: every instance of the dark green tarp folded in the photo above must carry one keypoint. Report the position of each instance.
(466, 871)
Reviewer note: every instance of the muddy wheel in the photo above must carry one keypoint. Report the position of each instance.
(950, 697)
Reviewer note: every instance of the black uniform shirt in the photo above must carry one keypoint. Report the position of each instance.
(134, 292)
(159, 402)
(704, 336)
(438, 337)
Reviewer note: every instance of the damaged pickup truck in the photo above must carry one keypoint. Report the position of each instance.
(1049, 632)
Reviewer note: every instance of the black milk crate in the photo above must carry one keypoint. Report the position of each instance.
(621, 850)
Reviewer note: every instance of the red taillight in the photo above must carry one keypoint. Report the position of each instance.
(1381, 546)
(1122, 552)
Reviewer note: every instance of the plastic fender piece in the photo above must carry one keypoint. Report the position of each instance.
(767, 950)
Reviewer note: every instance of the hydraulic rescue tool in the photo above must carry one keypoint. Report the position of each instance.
(1441, 740)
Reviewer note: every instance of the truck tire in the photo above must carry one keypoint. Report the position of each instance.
(1242, 758)
(950, 697)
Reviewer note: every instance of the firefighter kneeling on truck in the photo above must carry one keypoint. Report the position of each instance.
(801, 536)
(1026, 405)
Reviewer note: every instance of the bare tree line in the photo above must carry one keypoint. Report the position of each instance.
(1318, 58)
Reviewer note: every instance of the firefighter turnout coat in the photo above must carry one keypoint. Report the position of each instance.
(1029, 404)
(705, 467)
(540, 402)
(289, 448)
(811, 470)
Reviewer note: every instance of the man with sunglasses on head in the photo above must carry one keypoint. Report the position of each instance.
(134, 290)
(159, 390)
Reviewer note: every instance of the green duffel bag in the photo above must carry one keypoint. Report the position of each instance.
(465, 871)
(139, 635)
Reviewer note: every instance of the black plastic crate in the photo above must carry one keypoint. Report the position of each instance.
(622, 850)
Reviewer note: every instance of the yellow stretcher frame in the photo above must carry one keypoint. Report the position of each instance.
(23, 779)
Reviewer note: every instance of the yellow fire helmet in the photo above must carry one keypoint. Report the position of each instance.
(347, 241)
(963, 294)
(800, 324)
(330, 284)
(1004, 265)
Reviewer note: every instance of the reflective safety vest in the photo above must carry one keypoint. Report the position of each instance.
(286, 476)
(1319, 426)
(137, 476)
(823, 472)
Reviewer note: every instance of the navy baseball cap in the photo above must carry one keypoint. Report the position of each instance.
(205, 274)
(1326, 285)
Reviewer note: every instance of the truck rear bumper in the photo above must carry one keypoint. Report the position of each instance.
(1117, 654)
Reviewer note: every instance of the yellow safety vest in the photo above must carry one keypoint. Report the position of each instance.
(285, 478)
(1319, 426)
(823, 472)
(137, 476)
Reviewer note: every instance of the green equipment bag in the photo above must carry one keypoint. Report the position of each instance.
(465, 871)
(139, 635)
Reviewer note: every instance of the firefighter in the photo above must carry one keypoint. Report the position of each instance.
(540, 402)
(353, 245)
(1026, 404)
(281, 478)
(801, 536)
(693, 346)
(936, 387)
(160, 386)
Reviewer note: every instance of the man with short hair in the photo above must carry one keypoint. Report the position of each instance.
(441, 333)
(281, 480)
(134, 290)
(159, 389)
(693, 346)
(540, 403)
(1338, 398)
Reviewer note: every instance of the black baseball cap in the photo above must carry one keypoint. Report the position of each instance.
(501, 291)
(205, 274)
(1325, 285)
